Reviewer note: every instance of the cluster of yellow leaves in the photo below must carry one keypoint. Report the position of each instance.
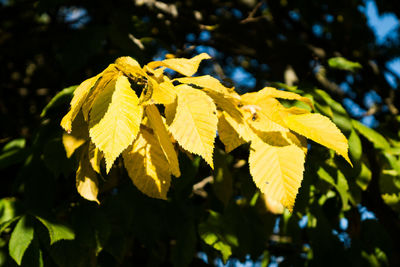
(141, 114)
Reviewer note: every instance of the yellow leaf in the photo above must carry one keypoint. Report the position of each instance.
(206, 81)
(80, 95)
(105, 77)
(115, 119)
(127, 62)
(277, 170)
(195, 122)
(267, 112)
(147, 166)
(228, 135)
(225, 98)
(86, 179)
(296, 139)
(164, 93)
(184, 66)
(131, 69)
(156, 74)
(149, 86)
(77, 137)
(163, 138)
(95, 157)
(259, 120)
(170, 112)
(321, 130)
(272, 92)
(273, 206)
(241, 127)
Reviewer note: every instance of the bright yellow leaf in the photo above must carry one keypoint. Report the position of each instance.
(161, 132)
(241, 127)
(115, 119)
(267, 109)
(273, 206)
(225, 98)
(297, 140)
(260, 121)
(86, 178)
(156, 74)
(95, 157)
(164, 93)
(184, 66)
(195, 123)
(321, 130)
(277, 170)
(127, 62)
(80, 95)
(272, 92)
(77, 137)
(228, 135)
(147, 166)
(105, 77)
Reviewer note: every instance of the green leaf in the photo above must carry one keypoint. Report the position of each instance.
(57, 231)
(393, 161)
(21, 237)
(338, 181)
(13, 152)
(9, 208)
(7, 224)
(215, 233)
(364, 177)
(373, 136)
(64, 96)
(355, 147)
(343, 64)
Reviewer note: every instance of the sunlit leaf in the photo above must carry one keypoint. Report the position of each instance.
(115, 119)
(80, 95)
(263, 113)
(21, 237)
(105, 77)
(228, 135)
(225, 98)
(147, 166)
(127, 62)
(273, 205)
(343, 64)
(184, 66)
(321, 130)
(95, 157)
(272, 92)
(162, 135)
(164, 93)
(57, 231)
(86, 178)
(77, 136)
(280, 181)
(242, 128)
(339, 182)
(373, 136)
(195, 123)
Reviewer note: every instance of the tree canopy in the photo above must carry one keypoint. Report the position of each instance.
(324, 51)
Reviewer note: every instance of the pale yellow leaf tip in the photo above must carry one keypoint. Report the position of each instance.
(273, 206)
(127, 61)
(66, 122)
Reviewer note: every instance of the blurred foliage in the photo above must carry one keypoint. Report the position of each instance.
(343, 215)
